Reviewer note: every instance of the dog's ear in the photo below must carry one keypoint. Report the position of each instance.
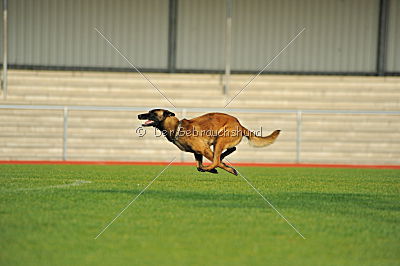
(168, 113)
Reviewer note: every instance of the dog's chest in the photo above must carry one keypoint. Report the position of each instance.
(179, 140)
(181, 146)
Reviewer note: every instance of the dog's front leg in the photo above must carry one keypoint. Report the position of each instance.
(199, 162)
(216, 160)
(215, 157)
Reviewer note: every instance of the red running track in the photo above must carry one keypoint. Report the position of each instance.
(193, 164)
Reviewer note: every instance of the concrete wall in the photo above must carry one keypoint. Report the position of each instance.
(340, 36)
(393, 56)
(61, 33)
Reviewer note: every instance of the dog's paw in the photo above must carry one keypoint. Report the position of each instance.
(234, 171)
(214, 171)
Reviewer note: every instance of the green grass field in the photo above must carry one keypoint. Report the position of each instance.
(348, 216)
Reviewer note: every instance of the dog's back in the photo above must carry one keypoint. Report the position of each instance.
(215, 121)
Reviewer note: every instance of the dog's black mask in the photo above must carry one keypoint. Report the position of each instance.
(155, 117)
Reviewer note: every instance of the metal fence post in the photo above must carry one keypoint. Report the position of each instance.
(184, 111)
(65, 134)
(172, 32)
(298, 136)
(382, 37)
(5, 50)
(228, 43)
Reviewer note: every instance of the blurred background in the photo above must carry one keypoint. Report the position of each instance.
(67, 94)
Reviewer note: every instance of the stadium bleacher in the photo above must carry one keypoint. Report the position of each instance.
(365, 138)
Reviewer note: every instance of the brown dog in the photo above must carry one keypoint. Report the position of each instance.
(197, 135)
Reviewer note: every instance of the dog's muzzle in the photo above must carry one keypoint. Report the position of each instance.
(148, 123)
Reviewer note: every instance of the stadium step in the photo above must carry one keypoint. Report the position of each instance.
(202, 90)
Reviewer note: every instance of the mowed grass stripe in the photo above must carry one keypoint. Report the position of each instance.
(350, 216)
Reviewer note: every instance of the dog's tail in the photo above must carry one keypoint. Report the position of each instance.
(260, 141)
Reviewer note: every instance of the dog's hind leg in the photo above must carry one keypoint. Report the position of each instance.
(223, 155)
(227, 152)
(231, 169)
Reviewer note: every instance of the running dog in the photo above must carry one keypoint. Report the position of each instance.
(197, 135)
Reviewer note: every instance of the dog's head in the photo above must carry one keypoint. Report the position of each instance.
(155, 117)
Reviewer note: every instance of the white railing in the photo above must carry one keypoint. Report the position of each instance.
(299, 116)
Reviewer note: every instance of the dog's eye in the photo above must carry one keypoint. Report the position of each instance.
(168, 113)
